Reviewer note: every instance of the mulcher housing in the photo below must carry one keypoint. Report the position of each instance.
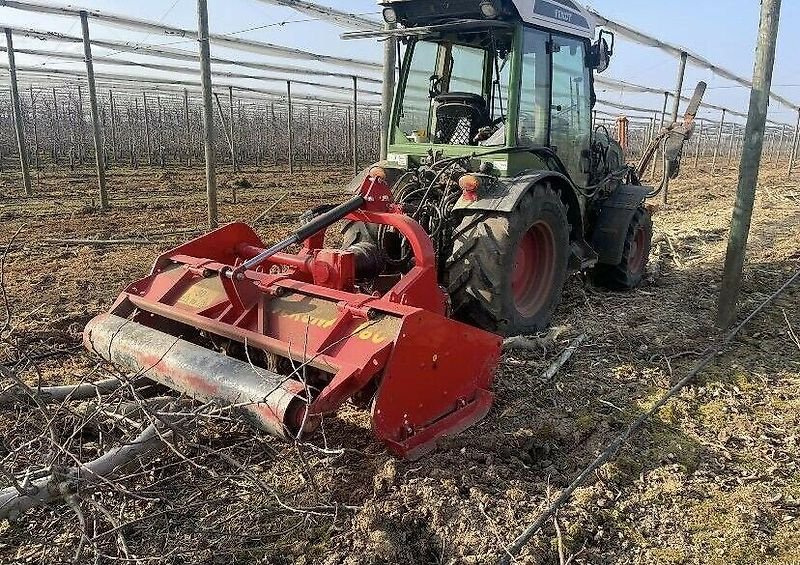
(293, 338)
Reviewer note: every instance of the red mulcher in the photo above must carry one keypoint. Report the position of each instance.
(286, 338)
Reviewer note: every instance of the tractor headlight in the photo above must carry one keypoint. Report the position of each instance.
(488, 9)
(389, 16)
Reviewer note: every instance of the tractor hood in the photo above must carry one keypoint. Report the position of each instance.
(558, 15)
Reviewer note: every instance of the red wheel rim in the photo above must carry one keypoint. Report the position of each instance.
(534, 269)
(638, 256)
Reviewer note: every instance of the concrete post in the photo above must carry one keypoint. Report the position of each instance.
(17, 109)
(97, 130)
(208, 112)
(750, 162)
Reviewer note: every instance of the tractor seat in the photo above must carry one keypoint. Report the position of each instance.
(459, 117)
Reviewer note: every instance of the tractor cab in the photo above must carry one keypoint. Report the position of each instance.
(478, 75)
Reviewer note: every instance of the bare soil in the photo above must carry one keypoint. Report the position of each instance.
(715, 479)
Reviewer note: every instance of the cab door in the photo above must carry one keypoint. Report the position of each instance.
(570, 117)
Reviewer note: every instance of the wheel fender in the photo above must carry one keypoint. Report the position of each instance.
(506, 193)
(613, 220)
(393, 172)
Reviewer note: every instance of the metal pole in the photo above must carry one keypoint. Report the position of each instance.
(208, 112)
(230, 119)
(750, 162)
(679, 87)
(794, 144)
(17, 108)
(719, 141)
(97, 131)
(355, 124)
(289, 124)
(389, 74)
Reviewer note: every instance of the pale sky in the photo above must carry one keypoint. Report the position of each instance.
(723, 31)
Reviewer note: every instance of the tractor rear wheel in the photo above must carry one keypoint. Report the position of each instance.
(507, 271)
(630, 271)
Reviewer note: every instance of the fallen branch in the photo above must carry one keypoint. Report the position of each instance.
(612, 449)
(562, 359)
(272, 207)
(62, 393)
(100, 242)
(537, 344)
(57, 485)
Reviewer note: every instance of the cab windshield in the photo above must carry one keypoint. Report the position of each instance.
(455, 94)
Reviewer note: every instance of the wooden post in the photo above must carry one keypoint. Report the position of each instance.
(17, 109)
(289, 124)
(355, 124)
(793, 155)
(114, 149)
(97, 131)
(389, 64)
(208, 112)
(719, 142)
(232, 138)
(750, 162)
(188, 140)
(147, 146)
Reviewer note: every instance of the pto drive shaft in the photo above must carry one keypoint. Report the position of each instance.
(321, 222)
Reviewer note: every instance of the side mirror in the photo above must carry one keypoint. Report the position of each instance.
(602, 51)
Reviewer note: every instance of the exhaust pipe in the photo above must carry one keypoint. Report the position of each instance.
(274, 403)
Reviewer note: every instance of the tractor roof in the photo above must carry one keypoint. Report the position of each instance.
(559, 15)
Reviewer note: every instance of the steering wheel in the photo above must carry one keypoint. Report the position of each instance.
(435, 89)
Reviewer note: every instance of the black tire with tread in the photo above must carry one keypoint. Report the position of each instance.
(480, 269)
(622, 277)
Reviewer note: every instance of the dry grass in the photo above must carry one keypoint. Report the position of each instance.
(715, 479)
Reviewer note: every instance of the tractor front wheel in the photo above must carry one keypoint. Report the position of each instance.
(636, 253)
(507, 271)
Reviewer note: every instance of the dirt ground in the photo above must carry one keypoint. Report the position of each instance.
(715, 479)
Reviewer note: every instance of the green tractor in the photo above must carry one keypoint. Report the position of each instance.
(491, 148)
